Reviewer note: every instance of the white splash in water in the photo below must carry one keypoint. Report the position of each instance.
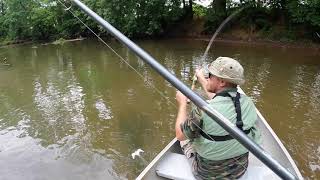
(46, 100)
(104, 111)
(136, 153)
(314, 167)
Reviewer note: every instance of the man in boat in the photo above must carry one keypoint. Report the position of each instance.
(214, 153)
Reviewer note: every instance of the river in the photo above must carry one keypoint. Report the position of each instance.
(76, 111)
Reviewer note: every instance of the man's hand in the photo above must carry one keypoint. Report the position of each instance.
(199, 73)
(200, 77)
(181, 98)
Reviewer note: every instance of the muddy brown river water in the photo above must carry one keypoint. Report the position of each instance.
(74, 111)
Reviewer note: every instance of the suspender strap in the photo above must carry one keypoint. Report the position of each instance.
(221, 138)
(239, 123)
(236, 102)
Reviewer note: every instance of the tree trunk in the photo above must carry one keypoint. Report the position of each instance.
(190, 6)
(188, 9)
(220, 8)
(283, 12)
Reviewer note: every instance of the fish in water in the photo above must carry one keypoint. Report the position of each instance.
(136, 153)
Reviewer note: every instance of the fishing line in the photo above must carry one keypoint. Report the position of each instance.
(122, 59)
(69, 9)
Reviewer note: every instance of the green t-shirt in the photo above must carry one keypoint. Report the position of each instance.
(220, 150)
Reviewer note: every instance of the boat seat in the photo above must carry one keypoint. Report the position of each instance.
(178, 167)
(175, 166)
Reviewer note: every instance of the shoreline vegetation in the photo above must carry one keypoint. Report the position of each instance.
(266, 43)
(59, 41)
(225, 40)
(287, 23)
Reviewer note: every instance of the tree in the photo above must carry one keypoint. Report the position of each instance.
(140, 17)
(16, 18)
(216, 14)
(48, 19)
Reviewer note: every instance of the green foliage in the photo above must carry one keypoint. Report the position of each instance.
(199, 11)
(284, 20)
(48, 19)
(43, 24)
(255, 18)
(140, 17)
(306, 12)
(280, 34)
(16, 19)
(60, 41)
(215, 15)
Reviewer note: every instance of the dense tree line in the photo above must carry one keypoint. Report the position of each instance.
(48, 19)
(282, 19)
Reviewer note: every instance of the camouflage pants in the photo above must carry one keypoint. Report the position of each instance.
(203, 168)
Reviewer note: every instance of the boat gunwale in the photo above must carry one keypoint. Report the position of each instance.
(157, 158)
(283, 148)
(274, 135)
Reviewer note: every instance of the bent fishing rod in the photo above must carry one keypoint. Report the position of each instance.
(234, 131)
(205, 54)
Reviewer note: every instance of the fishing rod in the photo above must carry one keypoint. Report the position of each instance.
(205, 54)
(196, 99)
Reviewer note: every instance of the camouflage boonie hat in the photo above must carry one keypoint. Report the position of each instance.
(227, 69)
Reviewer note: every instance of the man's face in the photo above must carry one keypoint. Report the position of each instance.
(214, 83)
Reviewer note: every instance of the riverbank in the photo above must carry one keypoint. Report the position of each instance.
(6, 43)
(223, 38)
(266, 43)
(60, 41)
(276, 36)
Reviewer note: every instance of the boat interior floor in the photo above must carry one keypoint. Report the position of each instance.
(177, 166)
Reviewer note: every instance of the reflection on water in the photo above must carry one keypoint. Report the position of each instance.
(77, 112)
(260, 80)
(313, 146)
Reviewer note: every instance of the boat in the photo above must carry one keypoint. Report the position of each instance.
(170, 163)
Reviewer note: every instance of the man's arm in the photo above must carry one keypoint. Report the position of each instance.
(181, 116)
